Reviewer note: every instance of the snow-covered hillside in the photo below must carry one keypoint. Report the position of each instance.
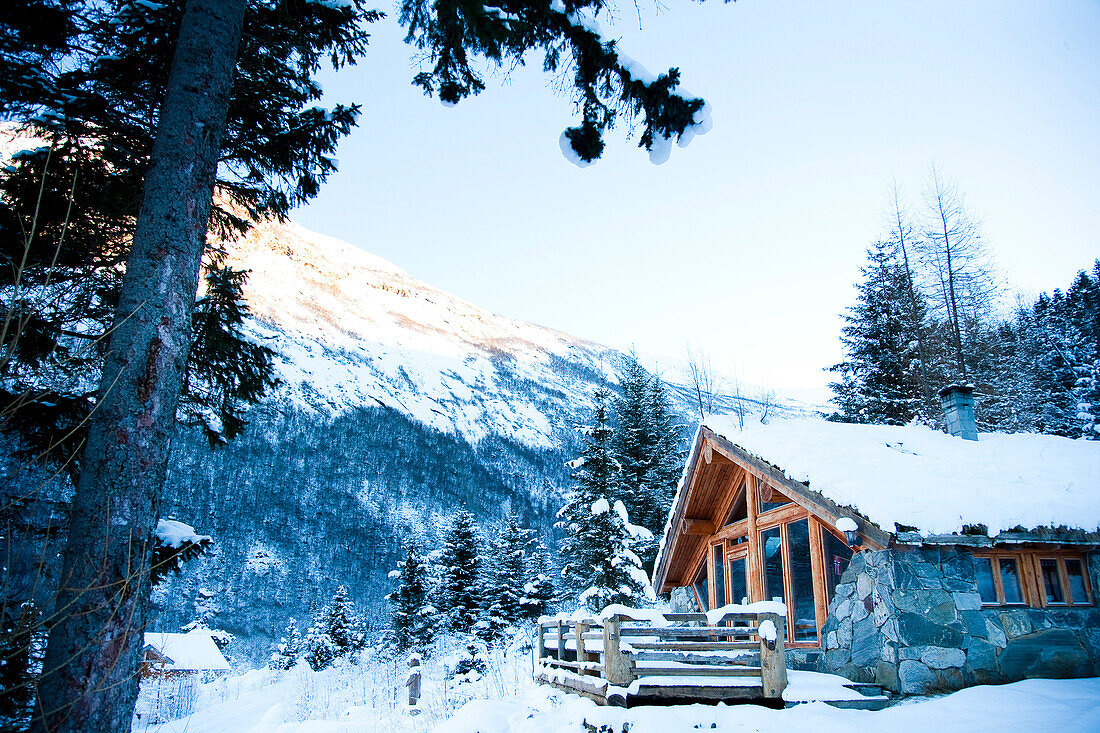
(354, 330)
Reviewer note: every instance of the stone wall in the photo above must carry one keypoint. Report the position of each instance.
(912, 621)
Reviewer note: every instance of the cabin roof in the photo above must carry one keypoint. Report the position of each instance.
(194, 650)
(897, 478)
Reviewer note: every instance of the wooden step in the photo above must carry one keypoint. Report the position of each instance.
(691, 658)
(696, 646)
(643, 670)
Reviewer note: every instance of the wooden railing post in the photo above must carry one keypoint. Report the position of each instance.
(540, 643)
(561, 642)
(773, 659)
(616, 665)
(578, 631)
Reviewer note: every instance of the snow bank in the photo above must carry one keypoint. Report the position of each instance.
(1069, 706)
(923, 478)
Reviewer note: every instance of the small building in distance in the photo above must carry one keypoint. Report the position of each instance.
(177, 655)
(906, 557)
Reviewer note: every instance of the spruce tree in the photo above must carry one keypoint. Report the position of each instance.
(879, 379)
(413, 617)
(600, 565)
(343, 626)
(318, 649)
(539, 590)
(506, 572)
(288, 650)
(460, 601)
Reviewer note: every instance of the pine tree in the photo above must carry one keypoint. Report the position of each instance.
(343, 625)
(506, 572)
(319, 649)
(645, 445)
(413, 616)
(600, 565)
(879, 380)
(539, 590)
(460, 568)
(289, 648)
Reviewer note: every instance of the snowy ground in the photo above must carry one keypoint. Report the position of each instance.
(369, 697)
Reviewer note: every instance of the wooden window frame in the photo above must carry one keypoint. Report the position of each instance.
(1063, 579)
(1030, 571)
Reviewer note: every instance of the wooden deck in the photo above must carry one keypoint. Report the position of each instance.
(664, 659)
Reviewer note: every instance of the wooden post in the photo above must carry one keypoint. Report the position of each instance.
(561, 642)
(616, 665)
(578, 630)
(540, 644)
(773, 658)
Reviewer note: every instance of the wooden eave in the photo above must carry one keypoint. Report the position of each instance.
(709, 485)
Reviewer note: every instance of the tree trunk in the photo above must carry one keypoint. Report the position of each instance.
(90, 675)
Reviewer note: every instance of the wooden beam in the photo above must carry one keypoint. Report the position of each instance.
(699, 527)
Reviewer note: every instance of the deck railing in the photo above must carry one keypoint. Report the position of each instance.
(655, 649)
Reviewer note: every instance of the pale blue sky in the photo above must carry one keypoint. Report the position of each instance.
(748, 241)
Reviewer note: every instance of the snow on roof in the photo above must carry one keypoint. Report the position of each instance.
(923, 478)
(193, 650)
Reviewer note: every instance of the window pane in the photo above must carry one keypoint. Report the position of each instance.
(772, 548)
(739, 510)
(719, 577)
(1052, 584)
(837, 557)
(739, 587)
(1076, 575)
(1010, 580)
(983, 567)
(771, 499)
(702, 589)
(804, 612)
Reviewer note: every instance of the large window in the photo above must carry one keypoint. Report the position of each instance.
(803, 610)
(1032, 578)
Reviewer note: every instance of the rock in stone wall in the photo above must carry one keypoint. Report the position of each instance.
(912, 621)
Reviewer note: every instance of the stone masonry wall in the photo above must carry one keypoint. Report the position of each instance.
(912, 621)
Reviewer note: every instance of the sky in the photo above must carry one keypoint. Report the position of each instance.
(747, 243)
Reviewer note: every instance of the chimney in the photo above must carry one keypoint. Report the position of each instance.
(957, 402)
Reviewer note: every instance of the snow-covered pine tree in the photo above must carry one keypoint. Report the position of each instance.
(539, 590)
(646, 446)
(879, 381)
(668, 455)
(344, 627)
(318, 649)
(632, 443)
(600, 564)
(413, 623)
(289, 648)
(460, 568)
(506, 572)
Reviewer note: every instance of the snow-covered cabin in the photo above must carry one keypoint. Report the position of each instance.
(906, 557)
(171, 655)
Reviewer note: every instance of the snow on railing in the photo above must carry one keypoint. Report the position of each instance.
(622, 650)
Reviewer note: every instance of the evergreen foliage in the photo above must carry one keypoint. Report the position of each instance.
(880, 379)
(86, 79)
(413, 616)
(920, 324)
(606, 82)
(506, 573)
(460, 601)
(288, 650)
(539, 590)
(646, 446)
(335, 632)
(600, 565)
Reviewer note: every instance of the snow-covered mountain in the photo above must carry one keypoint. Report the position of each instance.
(352, 329)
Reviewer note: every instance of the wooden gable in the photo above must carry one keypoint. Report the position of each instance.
(741, 530)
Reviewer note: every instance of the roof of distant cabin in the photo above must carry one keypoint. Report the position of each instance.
(191, 651)
(923, 478)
